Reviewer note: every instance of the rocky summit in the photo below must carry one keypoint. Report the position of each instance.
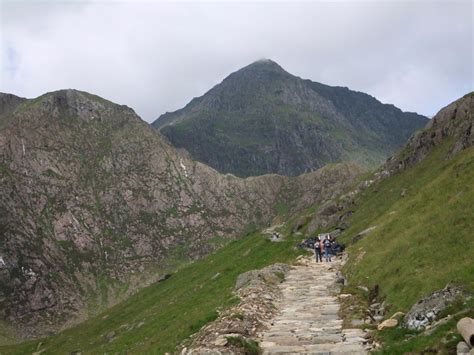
(95, 203)
(262, 119)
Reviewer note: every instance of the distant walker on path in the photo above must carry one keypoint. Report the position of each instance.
(317, 249)
(327, 248)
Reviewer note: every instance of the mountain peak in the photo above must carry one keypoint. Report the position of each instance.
(8, 102)
(265, 64)
(74, 103)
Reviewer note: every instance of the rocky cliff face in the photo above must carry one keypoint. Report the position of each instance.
(454, 122)
(452, 125)
(262, 119)
(9, 102)
(95, 203)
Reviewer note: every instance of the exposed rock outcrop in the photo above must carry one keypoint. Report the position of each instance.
(261, 119)
(92, 200)
(425, 311)
(455, 121)
(257, 290)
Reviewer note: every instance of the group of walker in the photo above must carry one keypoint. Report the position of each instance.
(323, 246)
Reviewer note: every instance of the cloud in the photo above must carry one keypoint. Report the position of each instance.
(156, 56)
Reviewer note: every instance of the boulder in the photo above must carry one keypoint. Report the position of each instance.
(388, 323)
(462, 348)
(425, 311)
(344, 295)
(221, 341)
(466, 329)
(397, 315)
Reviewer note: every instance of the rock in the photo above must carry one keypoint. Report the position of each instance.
(424, 312)
(431, 328)
(462, 348)
(378, 319)
(465, 327)
(362, 234)
(110, 336)
(389, 323)
(357, 322)
(221, 341)
(345, 295)
(300, 222)
(363, 288)
(398, 316)
(164, 277)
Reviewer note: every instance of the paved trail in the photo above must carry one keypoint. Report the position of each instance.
(308, 321)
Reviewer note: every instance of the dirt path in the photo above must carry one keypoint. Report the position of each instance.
(308, 321)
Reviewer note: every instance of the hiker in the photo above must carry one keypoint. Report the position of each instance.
(317, 250)
(327, 248)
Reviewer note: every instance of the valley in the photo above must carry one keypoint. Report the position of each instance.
(393, 221)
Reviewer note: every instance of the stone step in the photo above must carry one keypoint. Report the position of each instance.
(308, 320)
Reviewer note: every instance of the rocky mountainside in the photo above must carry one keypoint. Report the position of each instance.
(261, 119)
(95, 203)
(9, 102)
(395, 221)
(454, 122)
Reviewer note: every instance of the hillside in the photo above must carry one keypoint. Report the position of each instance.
(422, 206)
(261, 119)
(411, 230)
(95, 204)
(415, 210)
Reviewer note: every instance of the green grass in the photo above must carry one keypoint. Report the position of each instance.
(423, 240)
(159, 317)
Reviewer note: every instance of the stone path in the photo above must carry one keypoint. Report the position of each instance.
(308, 321)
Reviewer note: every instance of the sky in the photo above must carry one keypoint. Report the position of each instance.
(155, 56)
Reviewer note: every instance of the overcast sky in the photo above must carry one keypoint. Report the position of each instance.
(156, 56)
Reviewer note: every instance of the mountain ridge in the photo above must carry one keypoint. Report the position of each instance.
(261, 119)
(95, 204)
(393, 221)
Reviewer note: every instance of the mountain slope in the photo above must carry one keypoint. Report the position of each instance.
(416, 210)
(262, 119)
(162, 315)
(94, 204)
(410, 228)
(8, 103)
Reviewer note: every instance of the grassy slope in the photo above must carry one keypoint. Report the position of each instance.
(422, 241)
(171, 310)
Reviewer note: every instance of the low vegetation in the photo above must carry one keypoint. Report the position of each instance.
(161, 316)
(423, 221)
(422, 239)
